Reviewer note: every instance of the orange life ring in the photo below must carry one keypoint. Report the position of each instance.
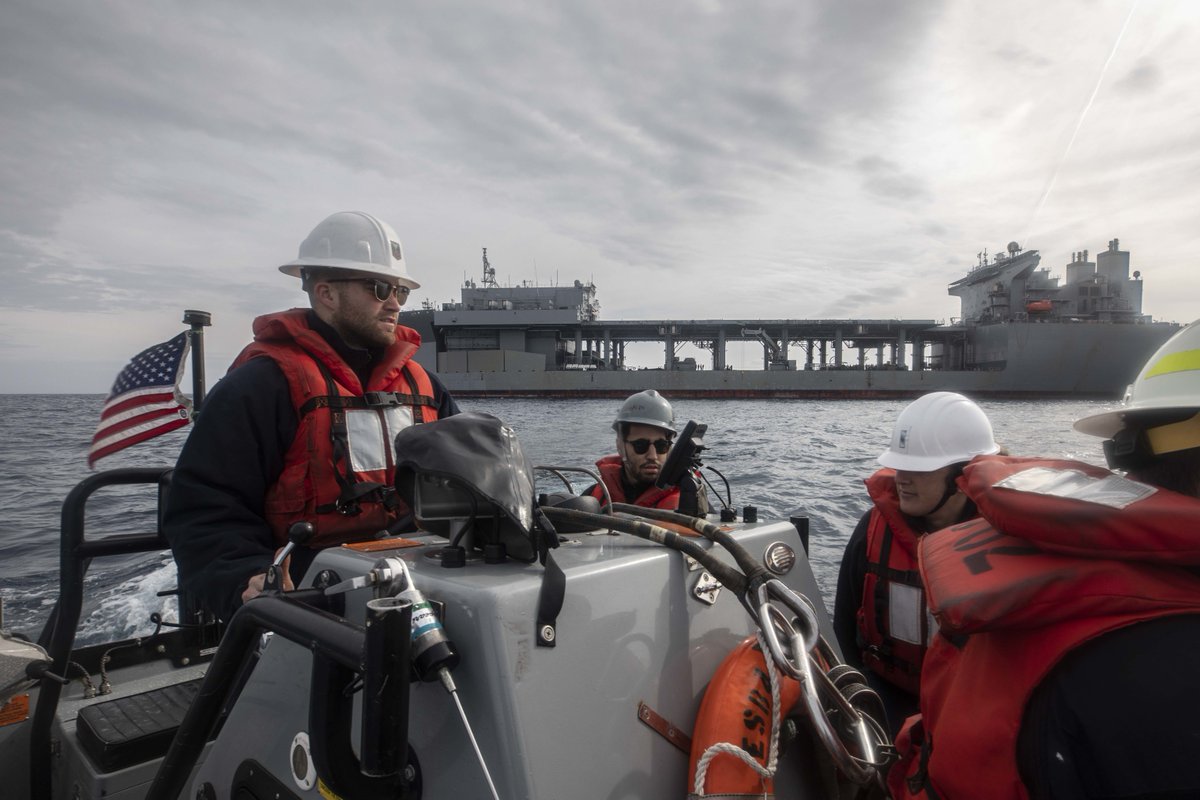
(736, 709)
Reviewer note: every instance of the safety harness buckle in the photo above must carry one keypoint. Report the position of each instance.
(347, 508)
(382, 399)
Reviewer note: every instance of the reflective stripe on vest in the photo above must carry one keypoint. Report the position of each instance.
(1012, 617)
(894, 625)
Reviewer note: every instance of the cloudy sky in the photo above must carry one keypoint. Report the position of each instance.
(702, 159)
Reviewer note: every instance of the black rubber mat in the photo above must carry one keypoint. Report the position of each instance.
(132, 730)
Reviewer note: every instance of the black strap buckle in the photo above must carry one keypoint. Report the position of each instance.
(347, 508)
(382, 399)
(349, 502)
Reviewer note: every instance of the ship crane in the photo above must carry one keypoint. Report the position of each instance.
(775, 359)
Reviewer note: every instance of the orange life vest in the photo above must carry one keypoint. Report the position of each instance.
(611, 469)
(339, 472)
(1010, 609)
(894, 625)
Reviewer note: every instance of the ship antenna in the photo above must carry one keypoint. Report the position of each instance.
(489, 274)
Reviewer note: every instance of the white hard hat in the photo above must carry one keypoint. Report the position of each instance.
(936, 430)
(1169, 382)
(646, 408)
(352, 240)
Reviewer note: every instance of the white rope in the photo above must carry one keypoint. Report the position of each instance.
(713, 750)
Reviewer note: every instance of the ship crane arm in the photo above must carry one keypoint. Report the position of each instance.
(770, 343)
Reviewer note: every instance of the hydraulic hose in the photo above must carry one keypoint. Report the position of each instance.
(750, 566)
(728, 576)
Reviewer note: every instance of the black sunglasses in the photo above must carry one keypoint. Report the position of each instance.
(383, 290)
(640, 446)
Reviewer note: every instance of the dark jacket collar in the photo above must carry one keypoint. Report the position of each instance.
(360, 359)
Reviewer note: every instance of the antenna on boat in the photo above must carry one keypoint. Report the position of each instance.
(199, 320)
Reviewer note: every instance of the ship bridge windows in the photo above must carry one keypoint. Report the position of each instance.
(472, 340)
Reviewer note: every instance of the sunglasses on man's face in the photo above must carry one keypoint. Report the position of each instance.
(383, 290)
(640, 446)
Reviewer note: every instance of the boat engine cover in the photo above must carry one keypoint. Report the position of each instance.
(478, 453)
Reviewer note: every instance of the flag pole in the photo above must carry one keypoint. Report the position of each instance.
(199, 320)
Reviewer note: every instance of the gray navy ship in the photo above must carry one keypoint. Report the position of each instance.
(1022, 334)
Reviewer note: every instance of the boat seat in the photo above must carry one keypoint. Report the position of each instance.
(131, 730)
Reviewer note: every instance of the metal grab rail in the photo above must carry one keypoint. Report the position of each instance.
(380, 652)
(58, 635)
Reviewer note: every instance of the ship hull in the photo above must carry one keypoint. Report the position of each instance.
(1013, 360)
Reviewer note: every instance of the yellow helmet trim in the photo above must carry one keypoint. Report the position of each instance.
(1183, 361)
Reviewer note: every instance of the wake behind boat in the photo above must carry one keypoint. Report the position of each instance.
(580, 648)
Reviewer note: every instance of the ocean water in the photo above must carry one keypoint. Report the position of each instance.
(782, 456)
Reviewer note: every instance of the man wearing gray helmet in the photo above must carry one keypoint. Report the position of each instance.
(645, 426)
(301, 428)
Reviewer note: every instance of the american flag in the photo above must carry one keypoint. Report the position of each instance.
(145, 400)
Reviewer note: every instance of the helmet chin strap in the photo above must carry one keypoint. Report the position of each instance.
(1177, 436)
(950, 490)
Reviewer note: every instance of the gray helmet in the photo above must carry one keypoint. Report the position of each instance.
(646, 408)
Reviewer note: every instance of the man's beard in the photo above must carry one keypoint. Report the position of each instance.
(361, 329)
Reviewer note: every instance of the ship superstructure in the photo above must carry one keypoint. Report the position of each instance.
(1012, 288)
(578, 300)
(1021, 333)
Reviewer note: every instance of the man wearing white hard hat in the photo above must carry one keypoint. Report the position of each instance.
(301, 428)
(880, 618)
(1067, 654)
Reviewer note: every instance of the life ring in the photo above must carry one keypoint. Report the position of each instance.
(735, 714)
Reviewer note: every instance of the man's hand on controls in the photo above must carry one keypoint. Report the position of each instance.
(255, 586)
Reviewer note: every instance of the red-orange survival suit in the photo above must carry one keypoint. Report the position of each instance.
(611, 471)
(1064, 553)
(339, 472)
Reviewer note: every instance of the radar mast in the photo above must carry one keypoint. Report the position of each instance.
(489, 274)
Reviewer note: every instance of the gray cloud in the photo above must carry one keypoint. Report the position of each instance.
(887, 180)
(1019, 55)
(1144, 78)
(265, 73)
(851, 304)
(156, 154)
